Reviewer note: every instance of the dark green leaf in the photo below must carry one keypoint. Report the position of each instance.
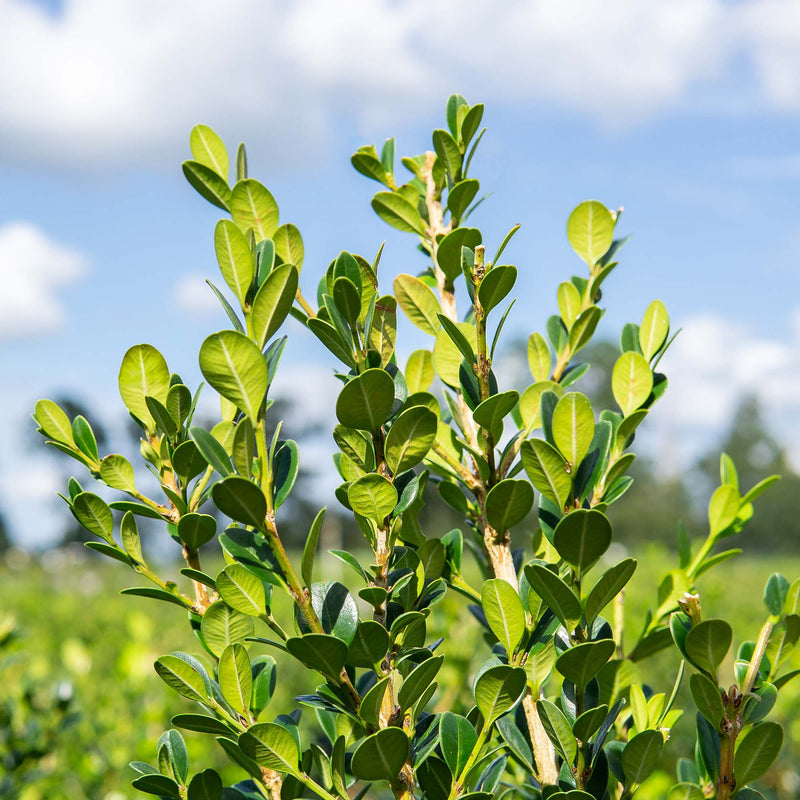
(582, 536)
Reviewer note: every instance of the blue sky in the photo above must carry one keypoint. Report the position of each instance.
(684, 112)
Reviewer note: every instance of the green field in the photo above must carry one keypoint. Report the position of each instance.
(75, 635)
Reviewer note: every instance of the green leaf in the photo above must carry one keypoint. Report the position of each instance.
(708, 642)
(757, 751)
(366, 401)
(498, 690)
(242, 590)
(641, 756)
(707, 698)
(369, 645)
(209, 150)
(582, 536)
(235, 367)
(558, 730)
(253, 207)
(654, 329)
(208, 184)
(419, 371)
(289, 245)
(540, 361)
(775, 593)
(143, 373)
(182, 676)
(447, 357)
(547, 469)
(129, 533)
(372, 496)
(347, 300)
(569, 303)
(234, 258)
(211, 450)
(410, 438)
(116, 471)
(448, 152)
(590, 230)
(489, 414)
(418, 302)
(205, 785)
(573, 427)
(365, 160)
(530, 404)
(272, 746)
(723, 508)
(686, 791)
(94, 514)
(240, 500)
(195, 530)
(610, 584)
(581, 663)
(370, 708)
(273, 302)
(329, 336)
(504, 613)
(222, 625)
(508, 503)
(457, 738)
(460, 196)
(631, 381)
(285, 467)
(557, 596)
(418, 680)
(448, 254)
(53, 422)
(336, 609)
(496, 284)
(396, 211)
(160, 785)
(235, 677)
(381, 756)
(589, 722)
(310, 548)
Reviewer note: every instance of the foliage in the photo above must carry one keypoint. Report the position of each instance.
(559, 707)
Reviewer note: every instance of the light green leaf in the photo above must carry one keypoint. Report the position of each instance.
(496, 284)
(208, 149)
(723, 508)
(504, 613)
(573, 427)
(235, 677)
(234, 258)
(398, 212)
(235, 367)
(708, 642)
(590, 230)
(289, 245)
(372, 496)
(458, 738)
(143, 373)
(419, 373)
(253, 207)
(631, 381)
(179, 674)
(569, 303)
(272, 746)
(418, 302)
(117, 472)
(530, 404)
(447, 357)
(540, 359)
(94, 514)
(222, 625)
(242, 590)
(707, 698)
(547, 469)
(654, 329)
(53, 421)
(208, 184)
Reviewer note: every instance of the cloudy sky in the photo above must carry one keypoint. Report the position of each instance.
(685, 112)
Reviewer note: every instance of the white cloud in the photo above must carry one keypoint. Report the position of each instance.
(124, 81)
(711, 366)
(194, 296)
(32, 269)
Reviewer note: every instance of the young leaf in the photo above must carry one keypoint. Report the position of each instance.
(631, 381)
(273, 302)
(235, 677)
(254, 208)
(573, 427)
(208, 149)
(234, 258)
(590, 230)
(654, 329)
(143, 373)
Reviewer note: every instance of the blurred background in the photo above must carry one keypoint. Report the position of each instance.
(684, 112)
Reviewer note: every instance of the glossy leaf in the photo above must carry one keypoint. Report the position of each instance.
(410, 438)
(654, 329)
(320, 651)
(234, 258)
(381, 756)
(631, 381)
(582, 536)
(508, 503)
(581, 663)
(366, 401)
(756, 752)
(254, 208)
(272, 746)
(547, 469)
(208, 184)
(240, 500)
(222, 625)
(235, 677)
(641, 756)
(235, 367)
(558, 730)
(372, 496)
(498, 690)
(458, 738)
(398, 212)
(495, 286)
(708, 642)
(573, 427)
(241, 590)
(557, 596)
(610, 584)
(707, 698)
(195, 530)
(143, 373)
(504, 612)
(273, 302)
(590, 230)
